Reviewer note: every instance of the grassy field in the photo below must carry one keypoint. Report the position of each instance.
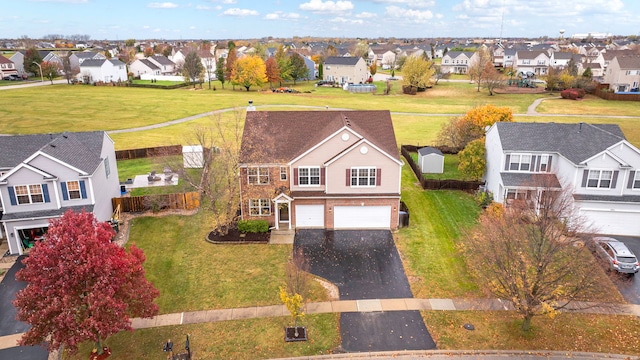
(590, 105)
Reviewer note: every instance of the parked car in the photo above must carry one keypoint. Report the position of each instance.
(616, 254)
(11, 77)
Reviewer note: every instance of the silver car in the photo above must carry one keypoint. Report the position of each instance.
(617, 255)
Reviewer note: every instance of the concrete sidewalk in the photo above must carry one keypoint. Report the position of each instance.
(342, 306)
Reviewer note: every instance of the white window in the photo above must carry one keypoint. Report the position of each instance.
(544, 163)
(29, 194)
(636, 180)
(260, 207)
(258, 175)
(599, 179)
(107, 168)
(363, 177)
(527, 62)
(73, 189)
(283, 173)
(520, 162)
(309, 176)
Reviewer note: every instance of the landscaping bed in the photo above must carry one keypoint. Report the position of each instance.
(236, 237)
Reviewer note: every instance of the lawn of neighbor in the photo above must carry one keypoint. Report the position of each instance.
(194, 275)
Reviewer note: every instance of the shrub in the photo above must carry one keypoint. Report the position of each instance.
(484, 198)
(573, 94)
(253, 226)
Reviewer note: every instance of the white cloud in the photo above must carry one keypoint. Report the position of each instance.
(202, 7)
(407, 3)
(347, 21)
(228, 2)
(163, 5)
(192, 27)
(240, 12)
(410, 15)
(366, 15)
(146, 27)
(280, 15)
(319, 6)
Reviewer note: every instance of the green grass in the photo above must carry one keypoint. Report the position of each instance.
(590, 105)
(428, 246)
(192, 274)
(450, 168)
(158, 83)
(500, 330)
(254, 339)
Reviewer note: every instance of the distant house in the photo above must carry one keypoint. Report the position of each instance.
(166, 66)
(7, 67)
(456, 62)
(345, 70)
(560, 60)
(104, 70)
(77, 57)
(143, 66)
(311, 67)
(623, 73)
(430, 160)
(45, 55)
(536, 62)
(44, 175)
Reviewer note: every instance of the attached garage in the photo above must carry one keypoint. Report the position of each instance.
(309, 216)
(614, 222)
(362, 217)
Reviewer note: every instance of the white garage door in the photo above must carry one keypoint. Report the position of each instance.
(310, 216)
(362, 217)
(614, 222)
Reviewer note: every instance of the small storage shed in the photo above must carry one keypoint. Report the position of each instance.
(192, 157)
(430, 160)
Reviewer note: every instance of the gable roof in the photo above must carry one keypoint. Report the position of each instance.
(428, 150)
(280, 136)
(576, 142)
(342, 60)
(4, 60)
(85, 54)
(162, 60)
(80, 150)
(149, 64)
(629, 62)
(531, 54)
(93, 63)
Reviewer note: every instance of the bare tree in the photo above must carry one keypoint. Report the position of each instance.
(478, 71)
(531, 253)
(209, 62)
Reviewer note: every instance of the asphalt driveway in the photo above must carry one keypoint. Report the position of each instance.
(628, 285)
(365, 264)
(8, 323)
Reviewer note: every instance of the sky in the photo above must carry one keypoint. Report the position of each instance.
(249, 19)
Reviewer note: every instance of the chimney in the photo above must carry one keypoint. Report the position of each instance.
(251, 107)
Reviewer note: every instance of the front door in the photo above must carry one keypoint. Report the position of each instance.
(283, 209)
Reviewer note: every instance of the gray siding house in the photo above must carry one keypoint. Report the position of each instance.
(44, 175)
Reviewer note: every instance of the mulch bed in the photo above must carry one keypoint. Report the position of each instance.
(520, 90)
(236, 237)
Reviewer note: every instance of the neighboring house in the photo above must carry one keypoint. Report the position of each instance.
(345, 70)
(167, 67)
(7, 67)
(104, 70)
(594, 162)
(45, 55)
(388, 60)
(536, 62)
(430, 160)
(320, 169)
(311, 67)
(623, 73)
(78, 57)
(596, 70)
(143, 66)
(44, 175)
(456, 62)
(560, 60)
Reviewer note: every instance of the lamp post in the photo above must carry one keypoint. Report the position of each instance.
(40, 67)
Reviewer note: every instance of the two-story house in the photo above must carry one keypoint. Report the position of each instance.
(7, 67)
(320, 169)
(536, 62)
(93, 70)
(594, 162)
(345, 69)
(78, 57)
(143, 66)
(623, 73)
(44, 175)
(457, 62)
(167, 67)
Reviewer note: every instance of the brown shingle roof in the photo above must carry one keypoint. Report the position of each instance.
(281, 136)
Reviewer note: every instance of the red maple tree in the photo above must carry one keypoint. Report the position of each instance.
(81, 286)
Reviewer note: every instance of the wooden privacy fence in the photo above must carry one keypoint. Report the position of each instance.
(429, 184)
(618, 97)
(181, 201)
(149, 152)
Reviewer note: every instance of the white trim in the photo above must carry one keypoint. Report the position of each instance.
(368, 168)
(81, 172)
(90, 191)
(354, 146)
(28, 167)
(311, 149)
(309, 168)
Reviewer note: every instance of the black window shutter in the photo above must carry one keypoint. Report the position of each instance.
(585, 176)
(549, 164)
(45, 193)
(12, 196)
(534, 162)
(65, 194)
(632, 175)
(83, 190)
(506, 163)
